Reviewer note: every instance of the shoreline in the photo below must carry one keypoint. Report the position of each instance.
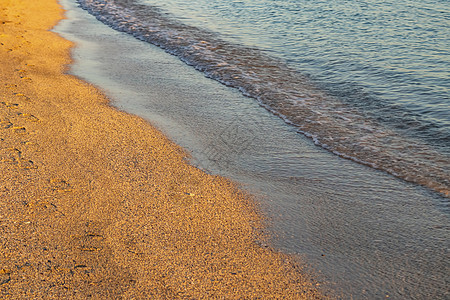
(98, 203)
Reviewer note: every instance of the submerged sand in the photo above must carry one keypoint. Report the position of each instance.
(97, 203)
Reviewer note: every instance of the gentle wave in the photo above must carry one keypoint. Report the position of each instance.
(332, 124)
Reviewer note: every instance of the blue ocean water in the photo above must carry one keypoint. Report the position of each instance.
(366, 80)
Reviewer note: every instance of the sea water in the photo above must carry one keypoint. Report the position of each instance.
(366, 80)
(366, 233)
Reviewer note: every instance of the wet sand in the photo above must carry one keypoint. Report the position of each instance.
(97, 203)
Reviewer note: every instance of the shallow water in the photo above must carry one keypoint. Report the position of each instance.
(365, 234)
(367, 80)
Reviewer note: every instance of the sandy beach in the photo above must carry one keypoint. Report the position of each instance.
(96, 203)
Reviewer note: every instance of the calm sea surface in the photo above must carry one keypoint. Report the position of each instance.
(367, 80)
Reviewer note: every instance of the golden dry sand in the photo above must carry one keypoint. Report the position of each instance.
(95, 203)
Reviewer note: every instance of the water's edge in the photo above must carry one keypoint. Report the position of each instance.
(357, 226)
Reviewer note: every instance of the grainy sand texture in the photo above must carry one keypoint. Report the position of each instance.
(96, 203)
